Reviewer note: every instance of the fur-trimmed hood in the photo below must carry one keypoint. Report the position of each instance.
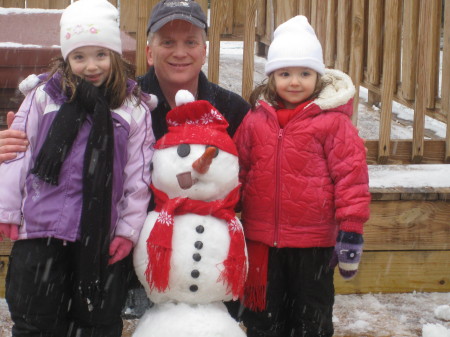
(338, 89)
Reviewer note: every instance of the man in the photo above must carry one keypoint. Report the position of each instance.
(176, 52)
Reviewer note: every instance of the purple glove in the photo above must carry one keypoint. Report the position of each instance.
(347, 253)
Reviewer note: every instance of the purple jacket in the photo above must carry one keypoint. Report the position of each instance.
(45, 210)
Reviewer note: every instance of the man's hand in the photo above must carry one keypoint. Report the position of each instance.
(11, 141)
(119, 248)
(9, 231)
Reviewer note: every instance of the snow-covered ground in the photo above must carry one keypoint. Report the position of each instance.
(375, 315)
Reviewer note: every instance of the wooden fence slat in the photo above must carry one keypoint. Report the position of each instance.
(12, 3)
(445, 84)
(283, 10)
(304, 8)
(330, 34)
(319, 20)
(374, 41)
(357, 55)
(249, 49)
(144, 8)
(128, 15)
(409, 60)
(391, 45)
(343, 35)
(216, 23)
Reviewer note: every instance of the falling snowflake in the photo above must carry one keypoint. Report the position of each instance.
(165, 218)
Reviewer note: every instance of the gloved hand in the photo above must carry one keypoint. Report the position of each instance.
(347, 253)
(9, 231)
(119, 248)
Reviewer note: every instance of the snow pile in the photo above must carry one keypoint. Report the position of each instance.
(435, 330)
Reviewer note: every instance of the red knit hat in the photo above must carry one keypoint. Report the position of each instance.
(196, 122)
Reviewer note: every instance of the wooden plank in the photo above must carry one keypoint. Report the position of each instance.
(283, 10)
(319, 20)
(357, 54)
(304, 8)
(5, 247)
(409, 58)
(12, 3)
(391, 45)
(330, 34)
(400, 152)
(446, 76)
(249, 50)
(45, 4)
(128, 15)
(144, 8)
(397, 272)
(343, 40)
(375, 41)
(408, 225)
(216, 24)
(3, 269)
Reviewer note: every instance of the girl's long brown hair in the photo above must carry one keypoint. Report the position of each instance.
(115, 85)
(267, 91)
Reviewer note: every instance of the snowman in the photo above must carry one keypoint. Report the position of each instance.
(191, 254)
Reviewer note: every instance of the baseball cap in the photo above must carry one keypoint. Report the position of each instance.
(169, 10)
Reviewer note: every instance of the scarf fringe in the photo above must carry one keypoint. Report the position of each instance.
(46, 169)
(234, 274)
(157, 272)
(255, 298)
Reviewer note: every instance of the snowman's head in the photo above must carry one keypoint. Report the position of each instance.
(196, 158)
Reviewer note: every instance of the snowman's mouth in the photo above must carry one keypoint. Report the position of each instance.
(185, 180)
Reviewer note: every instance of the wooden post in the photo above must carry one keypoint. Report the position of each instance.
(329, 46)
(409, 59)
(12, 3)
(374, 46)
(249, 49)
(143, 13)
(392, 11)
(357, 52)
(425, 58)
(343, 35)
(216, 23)
(446, 77)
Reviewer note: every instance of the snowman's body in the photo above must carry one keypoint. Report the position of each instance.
(192, 304)
(200, 246)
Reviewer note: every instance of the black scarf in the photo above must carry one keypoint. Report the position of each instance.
(97, 180)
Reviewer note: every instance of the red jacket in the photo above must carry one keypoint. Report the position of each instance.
(303, 183)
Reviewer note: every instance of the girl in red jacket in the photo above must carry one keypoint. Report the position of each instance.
(305, 194)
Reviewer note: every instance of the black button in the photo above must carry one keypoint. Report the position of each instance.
(183, 150)
(197, 257)
(198, 244)
(195, 273)
(193, 288)
(200, 229)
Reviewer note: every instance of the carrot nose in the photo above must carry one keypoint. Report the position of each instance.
(202, 164)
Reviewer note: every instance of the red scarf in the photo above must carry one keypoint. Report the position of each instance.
(256, 283)
(159, 242)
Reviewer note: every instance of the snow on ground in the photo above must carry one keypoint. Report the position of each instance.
(368, 315)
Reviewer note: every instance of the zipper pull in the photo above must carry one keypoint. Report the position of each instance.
(280, 133)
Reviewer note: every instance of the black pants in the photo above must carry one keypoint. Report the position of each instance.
(300, 295)
(42, 298)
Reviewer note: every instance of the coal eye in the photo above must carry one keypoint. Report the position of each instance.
(183, 150)
(151, 166)
(217, 150)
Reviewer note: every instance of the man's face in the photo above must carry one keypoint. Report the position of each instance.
(177, 51)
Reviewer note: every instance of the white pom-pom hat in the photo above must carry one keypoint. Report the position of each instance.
(295, 44)
(90, 23)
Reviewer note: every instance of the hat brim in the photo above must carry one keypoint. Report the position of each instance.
(178, 16)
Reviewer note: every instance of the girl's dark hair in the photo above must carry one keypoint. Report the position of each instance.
(115, 85)
(267, 91)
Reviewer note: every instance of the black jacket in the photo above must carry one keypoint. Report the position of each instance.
(232, 106)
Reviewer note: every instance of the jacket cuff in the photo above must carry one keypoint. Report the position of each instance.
(126, 231)
(352, 226)
(10, 217)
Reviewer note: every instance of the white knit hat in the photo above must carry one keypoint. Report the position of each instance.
(295, 44)
(90, 23)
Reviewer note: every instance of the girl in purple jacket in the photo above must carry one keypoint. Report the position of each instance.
(76, 200)
(305, 192)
